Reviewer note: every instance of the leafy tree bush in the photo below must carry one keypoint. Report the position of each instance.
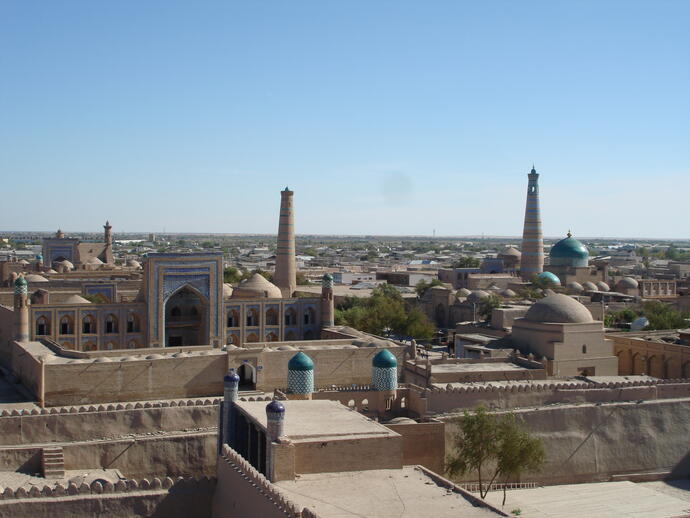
(422, 286)
(384, 313)
(466, 262)
(496, 446)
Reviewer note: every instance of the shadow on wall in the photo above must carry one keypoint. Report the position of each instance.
(681, 470)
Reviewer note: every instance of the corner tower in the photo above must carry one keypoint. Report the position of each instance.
(21, 310)
(532, 259)
(285, 275)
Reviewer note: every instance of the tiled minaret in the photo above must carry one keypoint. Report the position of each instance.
(108, 239)
(21, 310)
(532, 260)
(327, 303)
(285, 276)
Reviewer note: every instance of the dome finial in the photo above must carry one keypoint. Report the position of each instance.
(569, 234)
(533, 169)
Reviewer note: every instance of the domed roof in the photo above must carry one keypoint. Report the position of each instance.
(257, 286)
(603, 286)
(508, 293)
(20, 281)
(463, 292)
(76, 299)
(627, 283)
(133, 263)
(33, 277)
(590, 286)
(66, 263)
(569, 252)
(477, 296)
(94, 260)
(227, 290)
(558, 309)
(327, 277)
(574, 287)
(493, 287)
(510, 251)
(23, 262)
(275, 407)
(384, 359)
(550, 277)
(300, 362)
(232, 376)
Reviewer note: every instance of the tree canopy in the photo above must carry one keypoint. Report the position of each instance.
(499, 446)
(384, 313)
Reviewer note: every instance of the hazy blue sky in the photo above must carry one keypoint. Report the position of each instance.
(392, 117)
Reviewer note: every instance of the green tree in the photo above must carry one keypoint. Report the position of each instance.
(487, 306)
(466, 262)
(302, 279)
(232, 275)
(422, 286)
(664, 316)
(499, 446)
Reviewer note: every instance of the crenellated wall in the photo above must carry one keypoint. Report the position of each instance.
(243, 491)
(507, 397)
(172, 498)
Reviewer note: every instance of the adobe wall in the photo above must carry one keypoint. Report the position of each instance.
(156, 498)
(332, 366)
(71, 424)
(440, 401)
(423, 444)
(244, 492)
(639, 356)
(349, 455)
(597, 442)
(105, 380)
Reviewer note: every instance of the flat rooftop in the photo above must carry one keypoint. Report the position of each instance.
(598, 500)
(444, 368)
(380, 493)
(309, 421)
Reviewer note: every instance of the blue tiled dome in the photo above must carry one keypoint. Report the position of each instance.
(231, 375)
(569, 252)
(300, 362)
(20, 282)
(551, 277)
(385, 360)
(275, 407)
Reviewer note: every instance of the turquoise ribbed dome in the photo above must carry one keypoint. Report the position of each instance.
(21, 281)
(569, 252)
(551, 277)
(385, 360)
(300, 362)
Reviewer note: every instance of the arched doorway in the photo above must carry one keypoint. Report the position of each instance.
(247, 377)
(186, 318)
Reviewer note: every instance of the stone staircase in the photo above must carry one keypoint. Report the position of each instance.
(53, 462)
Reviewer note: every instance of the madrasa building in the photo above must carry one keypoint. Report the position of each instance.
(172, 300)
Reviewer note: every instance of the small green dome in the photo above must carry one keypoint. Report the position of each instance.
(569, 252)
(551, 277)
(300, 362)
(385, 359)
(327, 277)
(21, 281)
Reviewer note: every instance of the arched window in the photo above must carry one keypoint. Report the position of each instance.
(235, 340)
(175, 312)
(252, 337)
(42, 326)
(271, 337)
(132, 323)
(89, 346)
(252, 317)
(132, 344)
(88, 325)
(584, 349)
(290, 317)
(233, 318)
(194, 311)
(111, 324)
(66, 326)
(290, 336)
(271, 317)
(309, 316)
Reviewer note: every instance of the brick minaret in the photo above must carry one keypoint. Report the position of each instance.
(532, 260)
(285, 276)
(108, 240)
(327, 303)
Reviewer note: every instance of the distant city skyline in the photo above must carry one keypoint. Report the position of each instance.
(387, 118)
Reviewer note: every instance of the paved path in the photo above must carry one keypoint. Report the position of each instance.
(600, 500)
